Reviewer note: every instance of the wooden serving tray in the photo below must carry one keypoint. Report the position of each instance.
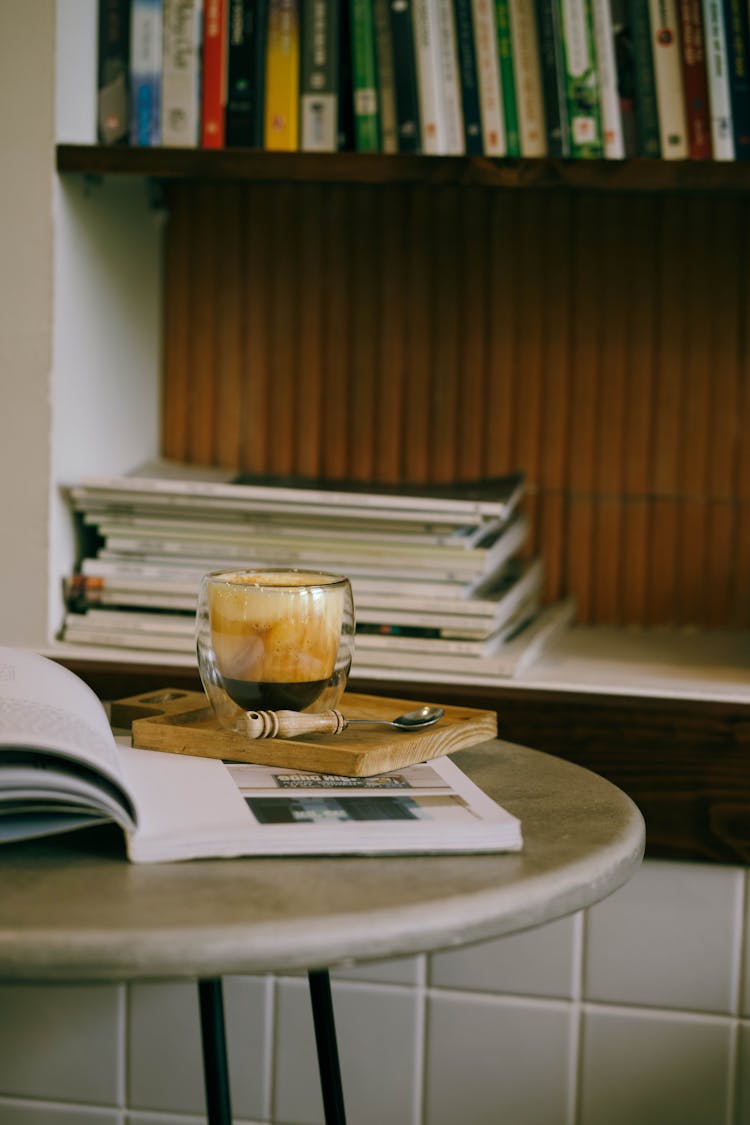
(182, 722)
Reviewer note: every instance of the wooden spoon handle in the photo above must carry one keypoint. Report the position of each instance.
(290, 724)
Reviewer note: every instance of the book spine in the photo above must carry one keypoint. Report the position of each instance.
(281, 110)
(213, 98)
(319, 112)
(145, 72)
(581, 79)
(625, 70)
(609, 98)
(346, 91)
(717, 75)
(507, 77)
(258, 73)
(488, 78)
(180, 94)
(450, 78)
(405, 73)
(737, 33)
(529, 97)
(670, 95)
(240, 107)
(113, 73)
(386, 77)
(552, 72)
(467, 65)
(695, 80)
(364, 77)
(647, 114)
(431, 117)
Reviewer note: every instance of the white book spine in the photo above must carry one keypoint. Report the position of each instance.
(488, 77)
(528, 78)
(427, 53)
(614, 141)
(670, 93)
(181, 73)
(455, 144)
(717, 71)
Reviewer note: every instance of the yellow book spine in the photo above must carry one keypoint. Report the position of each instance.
(281, 131)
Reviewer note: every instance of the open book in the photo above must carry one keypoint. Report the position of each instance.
(62, 768)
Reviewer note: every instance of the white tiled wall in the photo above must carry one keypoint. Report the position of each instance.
(636, 1012)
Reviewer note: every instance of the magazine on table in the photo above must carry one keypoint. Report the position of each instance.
(62, 768)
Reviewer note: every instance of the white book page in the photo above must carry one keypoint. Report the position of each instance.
(192, 807)
(43, 706)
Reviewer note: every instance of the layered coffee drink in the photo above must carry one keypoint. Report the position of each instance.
(276, 635)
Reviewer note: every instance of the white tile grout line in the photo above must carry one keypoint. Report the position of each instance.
(740, 975)
(121, 1038)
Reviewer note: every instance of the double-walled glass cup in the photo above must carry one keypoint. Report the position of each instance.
(273, 640)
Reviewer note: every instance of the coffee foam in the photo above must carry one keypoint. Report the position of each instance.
(278, 627)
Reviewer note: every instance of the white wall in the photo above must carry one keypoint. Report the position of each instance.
(26, 264)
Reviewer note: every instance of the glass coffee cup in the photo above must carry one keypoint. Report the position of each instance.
(273, 639)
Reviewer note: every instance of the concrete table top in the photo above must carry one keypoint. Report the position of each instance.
(74, 909)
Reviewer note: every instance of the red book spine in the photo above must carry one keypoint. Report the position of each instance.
(214, 96)
(694, 79)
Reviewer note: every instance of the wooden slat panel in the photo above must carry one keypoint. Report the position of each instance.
(599, 342)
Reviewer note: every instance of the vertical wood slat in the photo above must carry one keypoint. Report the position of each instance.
(597, 342)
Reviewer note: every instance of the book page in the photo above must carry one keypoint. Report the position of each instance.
(45, 707)
(192, 807)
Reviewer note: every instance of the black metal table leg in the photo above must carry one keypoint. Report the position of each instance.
(325, 1041)
(213, 1038)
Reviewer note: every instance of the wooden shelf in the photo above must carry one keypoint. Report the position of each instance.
(639, 175)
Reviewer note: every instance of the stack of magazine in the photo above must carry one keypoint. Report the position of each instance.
(441, 587)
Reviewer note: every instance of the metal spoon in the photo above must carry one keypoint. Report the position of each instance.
(290, 724)
(412, 720)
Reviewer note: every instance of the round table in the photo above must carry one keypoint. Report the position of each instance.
(74, 909)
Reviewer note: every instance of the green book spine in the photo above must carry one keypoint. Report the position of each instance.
(646, 110)
(364, 77)
(507, 78)
(581, 80)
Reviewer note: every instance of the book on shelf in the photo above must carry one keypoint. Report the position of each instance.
(528, 75)
(160, 480)
(63, 769)
(737, 37)
(213, 80)
(488, 77)
(319, 84)
(386, 76)
(717, 77)
(246, 38)
(467, 69)
(582, 80)
(432, 127)
(510, 654)
(625, 74)
(405, 76)
(364, 76)
(507, 77)
(282, 80)
(695, 80)
(552, 71)
(613, 136)
(646, 109)
(450, 78)
(182, 35)
(670, 93)
(113, 73)
(145, 72)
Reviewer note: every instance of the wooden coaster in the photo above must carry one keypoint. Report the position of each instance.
(182, 722)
